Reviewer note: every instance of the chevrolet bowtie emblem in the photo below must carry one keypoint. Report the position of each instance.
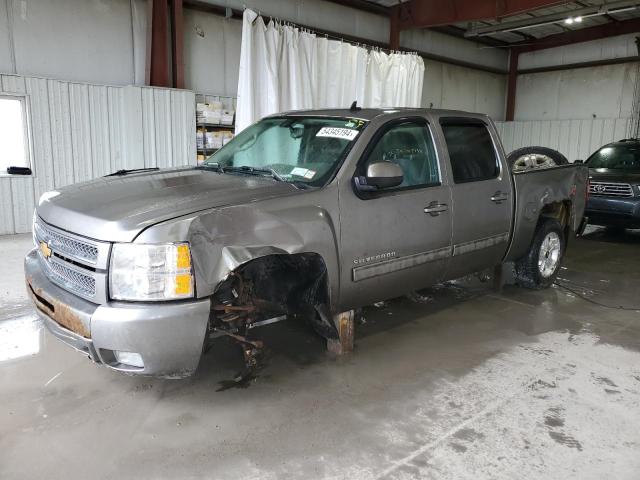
(45, 250)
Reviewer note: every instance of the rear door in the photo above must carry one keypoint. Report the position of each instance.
(482, 195)
(396, 239)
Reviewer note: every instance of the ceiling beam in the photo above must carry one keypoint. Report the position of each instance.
(431, 13)
(458, 32)
(556, 18)
(364, 6)
(580, 35)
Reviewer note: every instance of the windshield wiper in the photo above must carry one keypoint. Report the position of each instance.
(133, 170)
(251, 171)
(255, 171)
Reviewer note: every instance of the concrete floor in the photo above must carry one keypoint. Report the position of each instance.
(526, 384)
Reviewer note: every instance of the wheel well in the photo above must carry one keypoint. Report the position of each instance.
(287, 280)
(560, 211)
(278, 284)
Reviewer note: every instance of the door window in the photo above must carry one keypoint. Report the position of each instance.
(410, 146)
(471, 152)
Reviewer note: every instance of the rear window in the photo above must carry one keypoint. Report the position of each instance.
(617, 157)
(471, 152)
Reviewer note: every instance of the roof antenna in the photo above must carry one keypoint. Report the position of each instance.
(354, 106)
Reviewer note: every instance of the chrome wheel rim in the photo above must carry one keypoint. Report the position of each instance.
(533, 160)
(549, 256)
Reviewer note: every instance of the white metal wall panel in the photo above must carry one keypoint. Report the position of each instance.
(149, 122)
(60, 112)
(81, 128)
(82, 131)
(100, 141)
(115, 105)
(576, 139)
(132, 133)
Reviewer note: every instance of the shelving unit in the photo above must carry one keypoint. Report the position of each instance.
(211, 136)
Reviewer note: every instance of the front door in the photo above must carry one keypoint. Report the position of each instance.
(396, 239)
(482, 196)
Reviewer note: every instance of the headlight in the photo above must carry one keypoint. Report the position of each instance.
(150, 272)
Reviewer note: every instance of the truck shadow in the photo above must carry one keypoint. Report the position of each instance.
(439, 316)
(296, 343)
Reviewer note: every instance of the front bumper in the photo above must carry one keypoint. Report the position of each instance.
(168, 336)
(619, 212)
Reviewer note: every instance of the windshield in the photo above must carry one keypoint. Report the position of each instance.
(617, 157)
(304, 150)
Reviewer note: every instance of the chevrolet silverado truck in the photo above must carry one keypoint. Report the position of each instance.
(304, 215)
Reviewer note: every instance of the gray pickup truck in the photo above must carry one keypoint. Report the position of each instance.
(303, 215)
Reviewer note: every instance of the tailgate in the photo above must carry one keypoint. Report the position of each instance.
(536, 188)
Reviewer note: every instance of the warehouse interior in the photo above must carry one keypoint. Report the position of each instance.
(472, 377)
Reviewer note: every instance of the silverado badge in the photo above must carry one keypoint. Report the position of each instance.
(45, 250)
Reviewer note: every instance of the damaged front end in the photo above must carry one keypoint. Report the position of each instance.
(267, 290)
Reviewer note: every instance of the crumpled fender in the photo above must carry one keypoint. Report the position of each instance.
(536, 189)
(223, 239)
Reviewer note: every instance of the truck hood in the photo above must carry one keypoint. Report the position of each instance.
(614, 176)
(117, 209)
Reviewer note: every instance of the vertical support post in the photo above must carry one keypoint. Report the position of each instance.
(345, 323)
(512, 84)
(177, 43)
(394, 28)
(158, 54)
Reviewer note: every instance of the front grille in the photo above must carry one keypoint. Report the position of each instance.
(70, 279)
(66, 245)
(74, 263)
(610, 189)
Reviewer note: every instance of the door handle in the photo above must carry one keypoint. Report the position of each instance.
(499, 197)
(434, 208)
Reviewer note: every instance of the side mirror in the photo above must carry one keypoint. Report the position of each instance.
(578, 162)
(380, 175)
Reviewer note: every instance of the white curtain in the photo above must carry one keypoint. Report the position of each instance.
(285, 68)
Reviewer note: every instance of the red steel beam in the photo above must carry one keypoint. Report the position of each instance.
(581, 35)
(177, 43)
(512, 83)
(158, 54)
(431, 13)
(394, 28)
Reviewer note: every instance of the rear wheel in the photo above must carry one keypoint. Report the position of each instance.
(540, 266)
(534, 158)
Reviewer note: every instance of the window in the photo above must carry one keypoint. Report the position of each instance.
(410, 146)
(473, 157)
(625, 157)
(14, 150)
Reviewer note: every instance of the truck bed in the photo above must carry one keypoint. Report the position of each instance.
(534, 189)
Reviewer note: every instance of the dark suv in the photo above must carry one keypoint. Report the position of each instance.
(614, 188)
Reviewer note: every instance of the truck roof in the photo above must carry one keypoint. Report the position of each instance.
(371, 113)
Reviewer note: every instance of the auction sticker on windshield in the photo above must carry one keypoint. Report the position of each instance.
(335, 132)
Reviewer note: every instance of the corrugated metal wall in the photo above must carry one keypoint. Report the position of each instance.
(81, 131)
(576, 139)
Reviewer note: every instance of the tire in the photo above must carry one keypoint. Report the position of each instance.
(535, 157)
(539, 268)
